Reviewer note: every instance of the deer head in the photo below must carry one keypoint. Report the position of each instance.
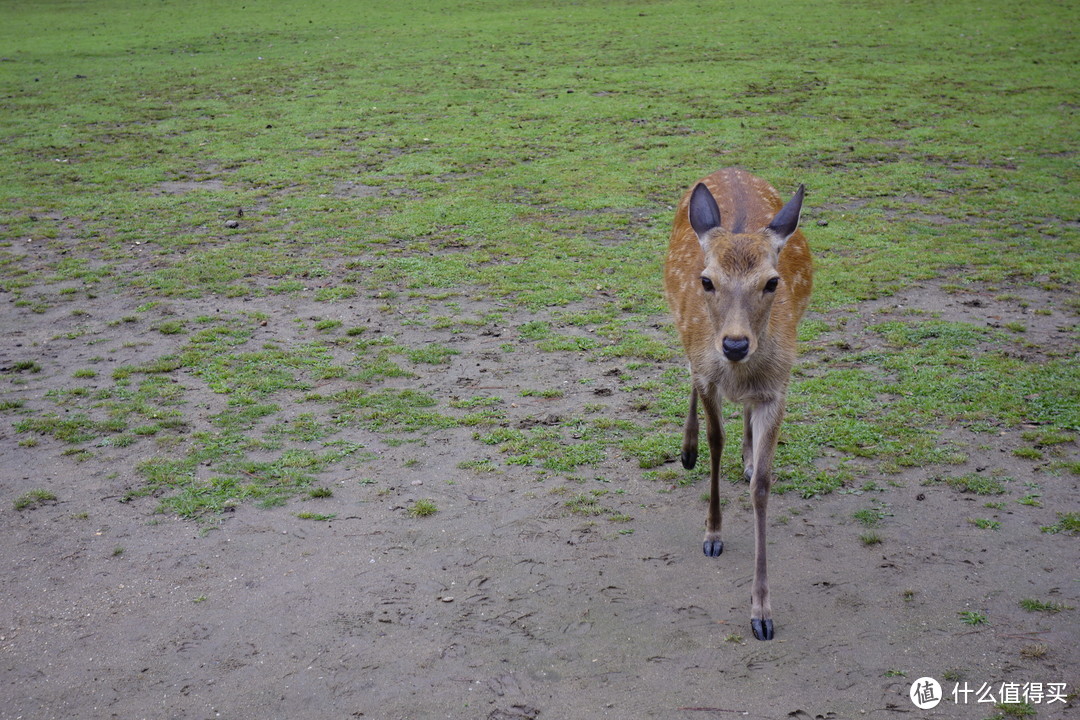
(740, 280)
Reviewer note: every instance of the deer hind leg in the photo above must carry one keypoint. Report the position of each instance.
(714, 433)
(765, 419)
(690, 433)
(747, 445)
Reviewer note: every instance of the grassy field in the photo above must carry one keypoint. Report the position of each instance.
(337, 381)
(469, 165)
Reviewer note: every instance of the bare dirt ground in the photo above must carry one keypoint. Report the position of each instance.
(503, 605)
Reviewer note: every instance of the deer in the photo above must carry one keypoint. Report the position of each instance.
(737, 279)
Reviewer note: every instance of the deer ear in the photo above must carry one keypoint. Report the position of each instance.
(704, 213)
(786, 221)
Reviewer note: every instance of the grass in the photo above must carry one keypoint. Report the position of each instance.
(1031, 500)
(975, 483)
(423, 508)
(1015, 710)
(432, 354)
(1032, 605)
(586, 504)
(1047, 437)
(871, 538)
(24, 366)
(319, 517)
(985, 524)
(872, 516)
(482, 465)
(544, 447)
(33, 498)
(1068, 524)
(414, 161)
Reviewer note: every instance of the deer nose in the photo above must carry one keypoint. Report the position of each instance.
(735, 349)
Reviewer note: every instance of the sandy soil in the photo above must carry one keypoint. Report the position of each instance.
(503, 605)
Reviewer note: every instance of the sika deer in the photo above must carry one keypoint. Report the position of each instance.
(738, 280)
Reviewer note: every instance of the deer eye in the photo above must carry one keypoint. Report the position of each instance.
(771, 285)
(707, 284)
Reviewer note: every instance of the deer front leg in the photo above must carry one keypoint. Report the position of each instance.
(747, 445)
(690, 433)
(765, 421)
(714, 433)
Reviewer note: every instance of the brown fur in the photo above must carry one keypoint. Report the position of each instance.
(739, 308)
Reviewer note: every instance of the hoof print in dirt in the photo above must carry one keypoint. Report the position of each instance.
(515, 712)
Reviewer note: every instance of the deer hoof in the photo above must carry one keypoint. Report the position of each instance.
(763, 629)
(689, 459)
(748, 473)
(713, 548)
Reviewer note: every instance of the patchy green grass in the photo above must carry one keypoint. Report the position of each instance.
(1044, 437)
(1014, 710)
(423, 508)
(587, 504)
(525, 156)
(1031, 500)
(320, 517)
(33, 498)
(872, 516)
(483, 465)
(432, 354)
(24, 366)
(985, 523)
(1068, 523)
(871, 538)
(976, 483)
(1046, 606)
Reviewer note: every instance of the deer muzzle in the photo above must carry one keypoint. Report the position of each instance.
(736, 348)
